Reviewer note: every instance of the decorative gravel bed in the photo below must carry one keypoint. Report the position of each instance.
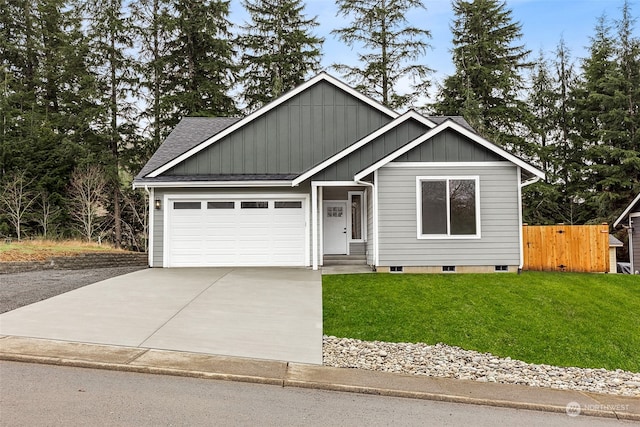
(441, 360)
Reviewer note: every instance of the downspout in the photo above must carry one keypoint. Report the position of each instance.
(375, 220)
(521, 185)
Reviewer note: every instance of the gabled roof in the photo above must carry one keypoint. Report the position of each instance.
(152, 172)
(187, 134)
(628, 210)
(411, 114)
(450, 124)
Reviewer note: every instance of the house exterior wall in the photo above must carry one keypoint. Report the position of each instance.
(291, 138)
(499, 244)
(158, 215)
(634, 241)
(449, 146)
(345, 168)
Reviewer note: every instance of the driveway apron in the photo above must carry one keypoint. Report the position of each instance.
(265, 313)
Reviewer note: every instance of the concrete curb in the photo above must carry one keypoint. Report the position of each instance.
(195, 365)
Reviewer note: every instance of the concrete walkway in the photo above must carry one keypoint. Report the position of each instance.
(197, 365)
(264, 313)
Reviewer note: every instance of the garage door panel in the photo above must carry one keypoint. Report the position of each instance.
(224, 234)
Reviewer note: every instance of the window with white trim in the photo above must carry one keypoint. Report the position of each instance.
(448, 207)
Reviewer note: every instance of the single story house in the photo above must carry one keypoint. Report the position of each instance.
(630, 219)
(325, 172)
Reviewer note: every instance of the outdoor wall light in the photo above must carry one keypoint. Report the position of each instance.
(158, 204)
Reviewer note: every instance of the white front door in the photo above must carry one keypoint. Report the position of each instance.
(335, 227)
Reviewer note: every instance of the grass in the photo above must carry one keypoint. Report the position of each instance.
(39, 250)
(562, 319)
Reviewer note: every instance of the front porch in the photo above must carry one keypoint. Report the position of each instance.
(342, 224)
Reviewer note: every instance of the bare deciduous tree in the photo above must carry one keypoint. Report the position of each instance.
(17, 198)
(87, 193)
(47, 214)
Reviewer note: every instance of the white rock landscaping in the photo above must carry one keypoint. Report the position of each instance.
(441, 360)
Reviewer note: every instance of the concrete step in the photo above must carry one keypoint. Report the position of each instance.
(345, 260)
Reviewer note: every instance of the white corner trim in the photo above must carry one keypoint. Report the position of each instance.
(150, 229)
(520, 225)
(411, 114)
(449, 124)
(323, 76)
(626, 211)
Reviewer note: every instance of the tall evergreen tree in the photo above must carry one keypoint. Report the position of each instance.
(152, 20)
(608, 118)
(44, 83)
(278, 49)
(392, 49)
(488, 78)
(201, 61)
(111, 35)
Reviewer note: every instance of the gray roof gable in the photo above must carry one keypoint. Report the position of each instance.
(190, 132)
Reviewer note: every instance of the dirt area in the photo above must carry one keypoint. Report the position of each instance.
(41, 250)
(20, 289)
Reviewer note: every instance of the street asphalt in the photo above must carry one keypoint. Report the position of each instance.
(290, 374)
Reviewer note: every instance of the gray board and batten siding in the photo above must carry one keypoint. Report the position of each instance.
(158, 214)
(345, 168)
(291, 138)
(397, 221)
(449, 146)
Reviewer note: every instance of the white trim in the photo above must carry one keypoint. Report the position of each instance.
(520, 235)
(376, 246)
(323, 76)
(213, 184)
(363, 217)
(411, 114)
(237, 196)
(444, 164)
(449, 124)
(152, 213)
(321, 224)
(448, 236)
(336, 184)
(314, 227)
(626, 211)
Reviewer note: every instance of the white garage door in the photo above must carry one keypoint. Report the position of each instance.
(241, 232)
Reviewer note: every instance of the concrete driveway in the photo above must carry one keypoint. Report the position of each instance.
(265, 313)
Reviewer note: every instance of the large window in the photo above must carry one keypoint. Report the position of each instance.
(448, 207)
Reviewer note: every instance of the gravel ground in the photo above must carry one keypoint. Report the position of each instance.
(20, 289)
(446, 361)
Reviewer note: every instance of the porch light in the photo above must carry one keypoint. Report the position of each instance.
(158, 204)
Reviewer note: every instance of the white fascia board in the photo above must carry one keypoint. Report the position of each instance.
(450, 124)
(626, 211)
(335, 184)
(323, 76)
(411, 114)
(214, 184)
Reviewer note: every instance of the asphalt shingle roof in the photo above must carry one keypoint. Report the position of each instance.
(190, 132)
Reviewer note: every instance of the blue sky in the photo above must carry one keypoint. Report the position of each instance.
(544, 22)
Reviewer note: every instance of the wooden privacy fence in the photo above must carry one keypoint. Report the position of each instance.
(582, 248)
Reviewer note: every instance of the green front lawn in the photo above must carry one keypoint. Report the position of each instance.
(563, 319)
